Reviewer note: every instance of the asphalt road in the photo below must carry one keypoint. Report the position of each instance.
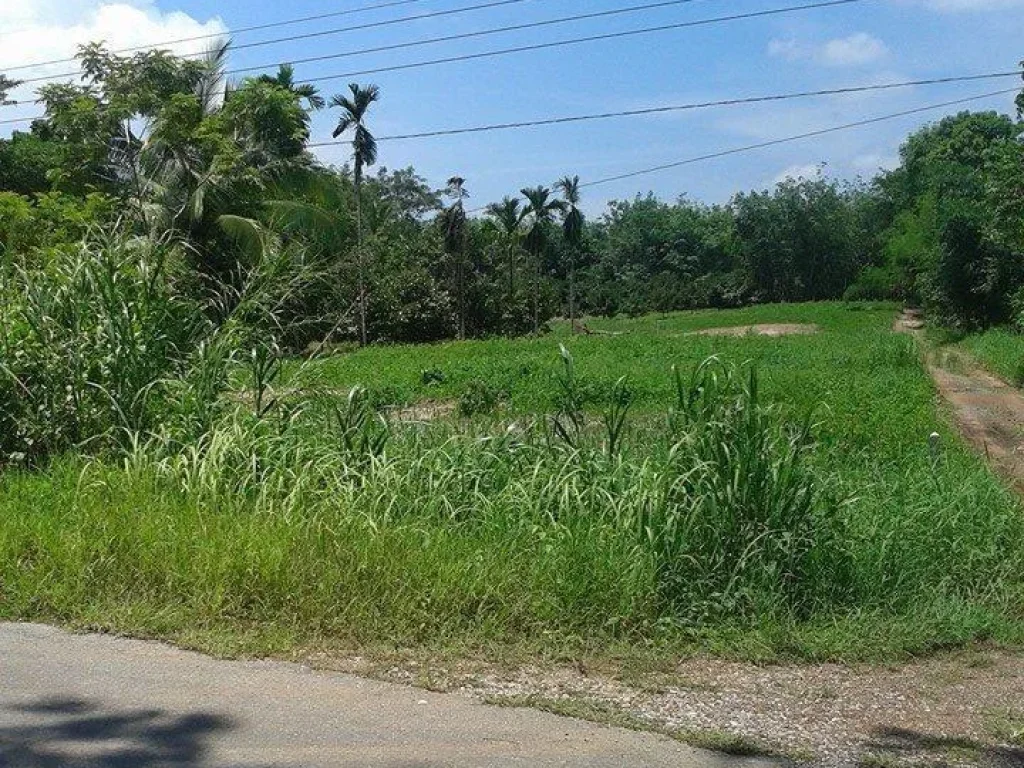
(90, 701)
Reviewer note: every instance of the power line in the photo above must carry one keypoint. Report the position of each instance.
(239, 31)
(494, 31)
(953, 79)
(335, 31)
(686, 107)
(533, 47)
(797, 137)
(557, 43)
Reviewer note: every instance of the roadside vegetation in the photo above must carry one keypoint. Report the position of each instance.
(214, 389)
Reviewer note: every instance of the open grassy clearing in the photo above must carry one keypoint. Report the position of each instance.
(714, 522)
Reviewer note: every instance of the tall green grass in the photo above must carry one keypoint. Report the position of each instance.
(1001, 350)
(720, 521)
(650, 489)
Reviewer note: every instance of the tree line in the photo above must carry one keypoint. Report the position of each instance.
(155, 146)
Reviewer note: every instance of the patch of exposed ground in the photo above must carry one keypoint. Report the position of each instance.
(765, 329)
(965, 709)
(988, 412)
(425, 410)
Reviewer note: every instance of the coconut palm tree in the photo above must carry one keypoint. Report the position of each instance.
(539, 213)
(285, 78)
(364, 153)
(509, 216)
(572, 229)
(454, 222)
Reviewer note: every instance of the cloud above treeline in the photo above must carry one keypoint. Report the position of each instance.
(43, 30)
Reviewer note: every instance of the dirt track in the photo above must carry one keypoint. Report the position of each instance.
(989, 412)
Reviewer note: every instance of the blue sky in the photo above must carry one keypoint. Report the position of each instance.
(866, 42)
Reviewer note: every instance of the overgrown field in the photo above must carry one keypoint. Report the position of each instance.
(632, 495)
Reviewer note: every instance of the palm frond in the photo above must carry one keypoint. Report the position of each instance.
(364, 146)
(210, 89)
(299, 216)
(247, 233)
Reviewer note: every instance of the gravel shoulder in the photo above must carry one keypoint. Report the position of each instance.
(962, 709)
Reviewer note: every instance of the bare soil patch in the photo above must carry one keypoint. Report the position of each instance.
(423, 411)
(764, 329)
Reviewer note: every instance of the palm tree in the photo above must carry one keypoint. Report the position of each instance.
(454, 221)
(540, 210)
(285, 78)
(572, 228)
(172, 176)
(509, 216)
(364, 153)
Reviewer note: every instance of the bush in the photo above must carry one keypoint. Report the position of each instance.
(874, 284)
(479, 397)
(89, 344)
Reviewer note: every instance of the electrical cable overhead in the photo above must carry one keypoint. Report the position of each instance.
(686, 107)
(553, 44)
(691, 106)
(214, 35)
(796, 137)
(496, 30)
(516, 49)
(320, 33)
(785, 140)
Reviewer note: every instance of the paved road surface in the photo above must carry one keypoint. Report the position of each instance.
(92, 701)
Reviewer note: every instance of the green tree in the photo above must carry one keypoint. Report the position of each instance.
(540, 216)
(104, 122)
(26, 160)
(572, 230)
(797, 241)
(354, 110)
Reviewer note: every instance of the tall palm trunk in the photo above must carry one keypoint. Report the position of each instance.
(536, 294)
(361, 261)
(511, 277)
(460, 279)
(572, 291)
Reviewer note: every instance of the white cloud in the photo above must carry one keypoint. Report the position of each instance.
(854, 50)
(43, 30)
(800, 171)
(873, 162)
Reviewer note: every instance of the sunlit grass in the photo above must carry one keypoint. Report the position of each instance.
(718, 527)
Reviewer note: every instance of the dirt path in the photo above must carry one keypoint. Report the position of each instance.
(988, 411)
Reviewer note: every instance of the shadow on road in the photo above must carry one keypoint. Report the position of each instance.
(950, 751)
(79, 734)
